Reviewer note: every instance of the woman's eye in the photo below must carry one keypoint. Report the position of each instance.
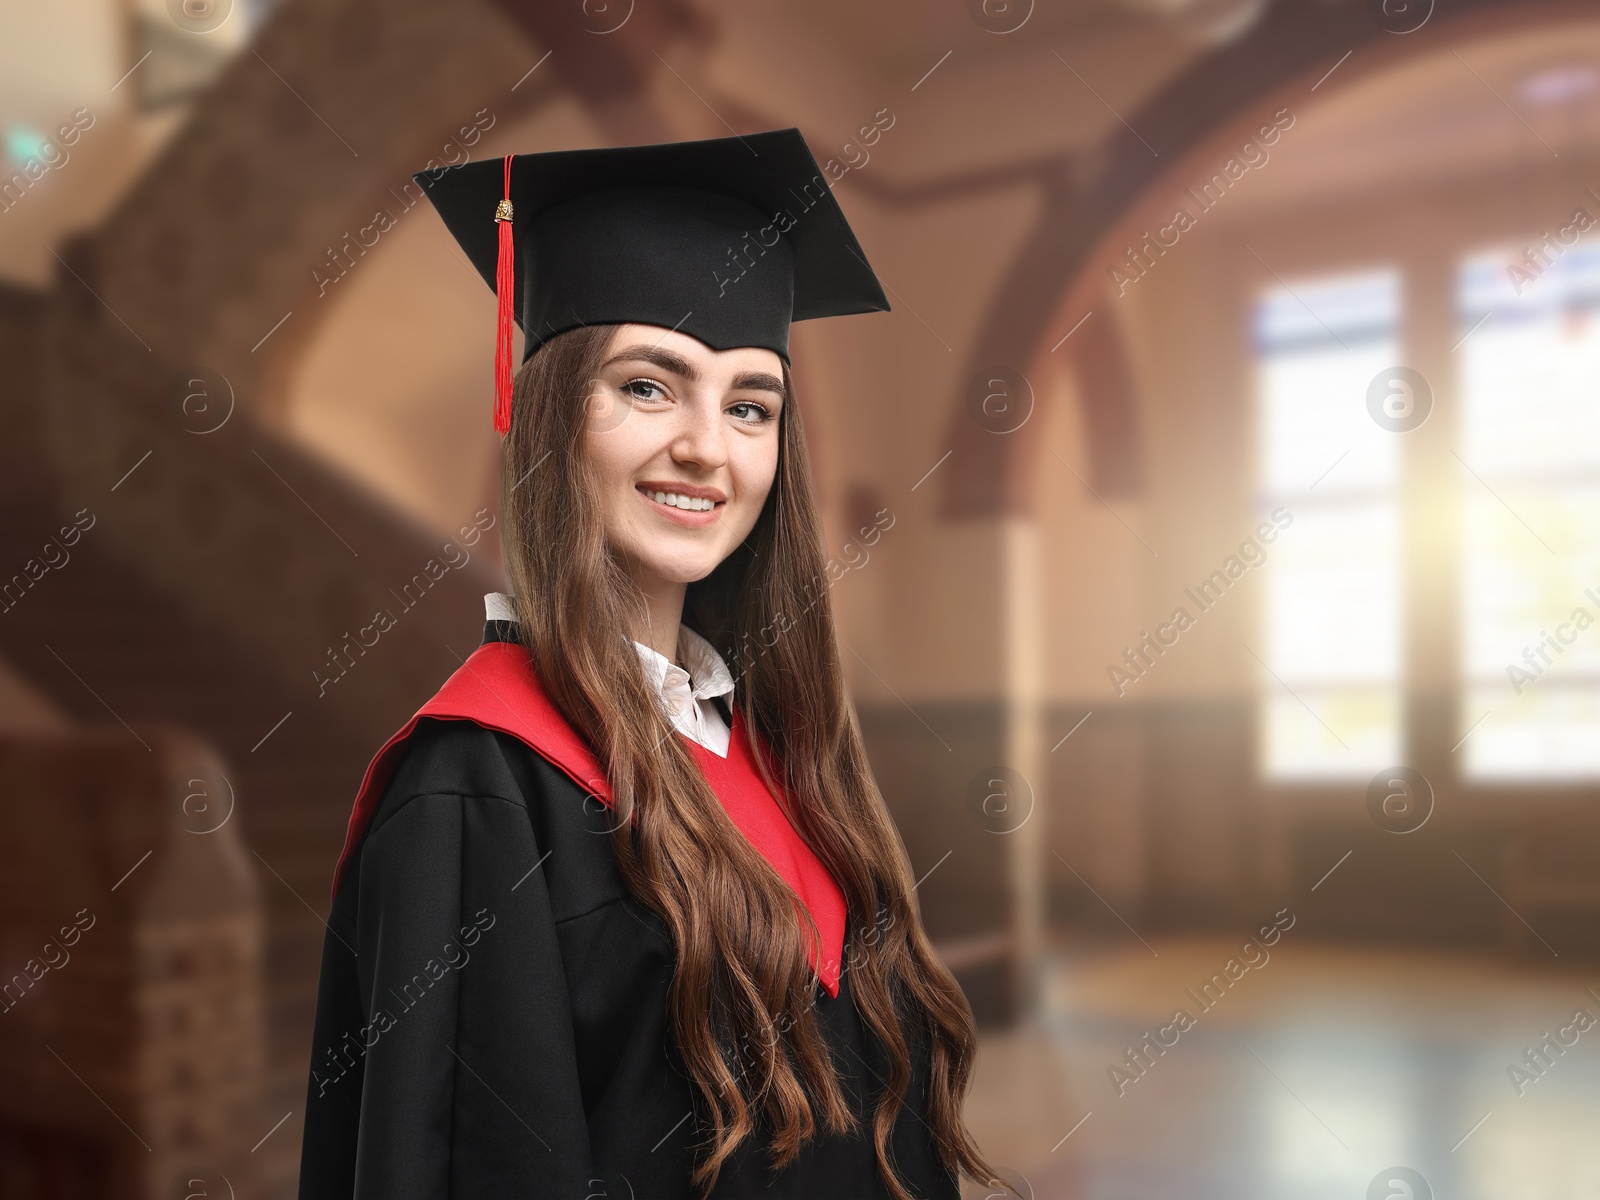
(640, 389)
(754, 411)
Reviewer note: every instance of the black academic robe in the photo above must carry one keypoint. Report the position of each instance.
(491, 1018)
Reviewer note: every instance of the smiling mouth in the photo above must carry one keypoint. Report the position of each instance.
(679, 500)
(681, 507)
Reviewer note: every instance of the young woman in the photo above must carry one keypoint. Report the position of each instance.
(621, 911)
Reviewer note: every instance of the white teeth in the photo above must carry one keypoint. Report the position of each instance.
(689, 503)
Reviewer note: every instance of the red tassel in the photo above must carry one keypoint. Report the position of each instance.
(504, 285)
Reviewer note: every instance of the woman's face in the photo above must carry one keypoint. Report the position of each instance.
(684, 440)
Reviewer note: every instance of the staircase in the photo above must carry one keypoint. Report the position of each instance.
(126, 628)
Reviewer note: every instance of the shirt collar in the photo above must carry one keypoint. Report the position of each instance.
(707, 674)
(497, 606)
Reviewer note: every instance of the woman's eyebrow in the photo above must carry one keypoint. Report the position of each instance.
(665, 359)
(762, 381)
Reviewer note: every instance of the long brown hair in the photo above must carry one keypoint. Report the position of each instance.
(741, 996)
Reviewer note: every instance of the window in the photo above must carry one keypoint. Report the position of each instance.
(1331, 703)
(1530, 515)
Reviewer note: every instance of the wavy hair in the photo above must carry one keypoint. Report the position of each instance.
(741, 998)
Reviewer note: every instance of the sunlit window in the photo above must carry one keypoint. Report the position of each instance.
(1330, 700)
(1530, 513)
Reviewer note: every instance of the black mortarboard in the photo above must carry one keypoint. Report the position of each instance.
(725, 239)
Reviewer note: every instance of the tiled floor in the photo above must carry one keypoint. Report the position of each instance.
(1316, 1073)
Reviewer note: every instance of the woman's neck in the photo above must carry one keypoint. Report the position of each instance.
(663, 616)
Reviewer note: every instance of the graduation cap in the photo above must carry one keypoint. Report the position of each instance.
(725, 239)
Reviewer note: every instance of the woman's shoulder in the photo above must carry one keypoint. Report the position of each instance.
(489, 795)
(445, 756)
(458, 757)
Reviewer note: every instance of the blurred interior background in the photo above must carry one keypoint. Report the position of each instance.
(1216, 519)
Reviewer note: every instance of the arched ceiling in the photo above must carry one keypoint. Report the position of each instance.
(208, 258)
(1332, 49)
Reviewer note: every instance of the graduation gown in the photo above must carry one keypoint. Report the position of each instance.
(491, 1016)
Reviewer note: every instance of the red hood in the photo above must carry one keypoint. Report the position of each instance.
(497, 688)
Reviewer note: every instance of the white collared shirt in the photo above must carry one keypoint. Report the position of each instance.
(685, 694)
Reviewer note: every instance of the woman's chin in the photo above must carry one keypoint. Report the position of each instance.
(684, 569)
